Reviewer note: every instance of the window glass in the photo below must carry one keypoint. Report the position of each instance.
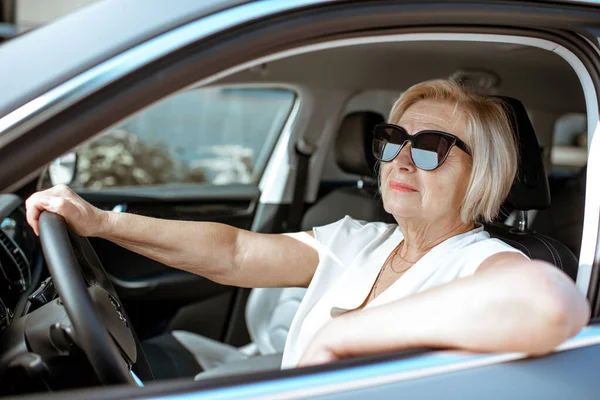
(210, 135)
(569, 147)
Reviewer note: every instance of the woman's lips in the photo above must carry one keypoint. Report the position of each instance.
(401, 187)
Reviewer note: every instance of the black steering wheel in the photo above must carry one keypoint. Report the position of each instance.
(101, 327)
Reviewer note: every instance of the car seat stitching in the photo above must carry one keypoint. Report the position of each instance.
(551, 246)
(550, 250)
(520, 245)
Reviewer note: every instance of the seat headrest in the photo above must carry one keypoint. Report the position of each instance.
(353, 144)
(530, 190)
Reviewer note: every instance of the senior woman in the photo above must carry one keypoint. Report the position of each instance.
(447, 160)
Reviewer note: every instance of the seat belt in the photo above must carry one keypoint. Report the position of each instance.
(304, 151)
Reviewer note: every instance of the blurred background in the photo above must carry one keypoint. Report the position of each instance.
(17, 16)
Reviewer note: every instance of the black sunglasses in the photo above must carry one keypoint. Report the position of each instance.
(428, 149)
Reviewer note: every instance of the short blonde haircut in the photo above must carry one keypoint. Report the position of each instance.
(488, 134)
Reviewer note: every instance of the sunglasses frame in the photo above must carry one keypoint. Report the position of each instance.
(454, 141)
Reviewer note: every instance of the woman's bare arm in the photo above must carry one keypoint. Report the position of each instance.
(510, 304)
(219, 252)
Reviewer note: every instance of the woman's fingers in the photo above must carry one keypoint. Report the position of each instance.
(34, 207)
(63, 201)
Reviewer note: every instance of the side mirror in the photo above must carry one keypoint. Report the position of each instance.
(63, 169)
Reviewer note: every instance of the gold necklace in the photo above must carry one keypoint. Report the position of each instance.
(390, 261)
(397, 253)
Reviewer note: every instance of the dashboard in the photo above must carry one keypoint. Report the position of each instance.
(18, 247)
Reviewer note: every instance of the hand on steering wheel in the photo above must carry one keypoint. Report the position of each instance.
(100, 323)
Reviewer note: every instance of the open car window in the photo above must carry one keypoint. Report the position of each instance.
(216, 135)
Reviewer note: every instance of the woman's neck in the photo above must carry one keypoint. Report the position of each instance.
(420, 237)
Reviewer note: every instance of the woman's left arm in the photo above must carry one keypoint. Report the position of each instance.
(510, 304)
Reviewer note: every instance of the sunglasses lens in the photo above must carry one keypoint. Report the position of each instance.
(385, 151)
(385, 140)
(429, 150)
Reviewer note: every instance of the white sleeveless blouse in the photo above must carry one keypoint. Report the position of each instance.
(352, 252)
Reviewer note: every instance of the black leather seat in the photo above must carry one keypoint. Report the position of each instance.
(564, 219)
(529, 192)
(354, 156)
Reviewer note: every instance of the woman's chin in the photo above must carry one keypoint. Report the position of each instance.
(402, 211)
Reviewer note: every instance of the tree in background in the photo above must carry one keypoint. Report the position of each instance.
(119, 158)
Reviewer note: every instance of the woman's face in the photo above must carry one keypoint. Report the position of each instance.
(409, 192)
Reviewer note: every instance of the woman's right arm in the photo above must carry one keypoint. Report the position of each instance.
(219, 252)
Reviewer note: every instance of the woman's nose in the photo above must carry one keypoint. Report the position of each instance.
(404, 160)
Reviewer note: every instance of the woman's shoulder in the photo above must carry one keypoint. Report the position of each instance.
(352, 232)
(477, 241)
(481, 241)
(351, 225)
(468, 254)
(359, 224)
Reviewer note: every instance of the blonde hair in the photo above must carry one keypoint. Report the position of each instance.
(489, 135)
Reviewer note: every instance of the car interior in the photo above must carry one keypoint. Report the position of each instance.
(189, 327)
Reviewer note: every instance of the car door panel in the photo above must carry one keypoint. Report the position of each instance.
(407, 374)
(230, 205)
(565, 374)
(152, 291)
(173, 193)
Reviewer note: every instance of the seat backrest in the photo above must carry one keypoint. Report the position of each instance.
(353, 155)
(269, 316)
(564, 219)
(530, 191)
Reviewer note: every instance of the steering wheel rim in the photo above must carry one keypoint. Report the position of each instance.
(106, 358)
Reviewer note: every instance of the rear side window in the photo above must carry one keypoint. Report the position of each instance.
(210, 135)
(569, 147)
